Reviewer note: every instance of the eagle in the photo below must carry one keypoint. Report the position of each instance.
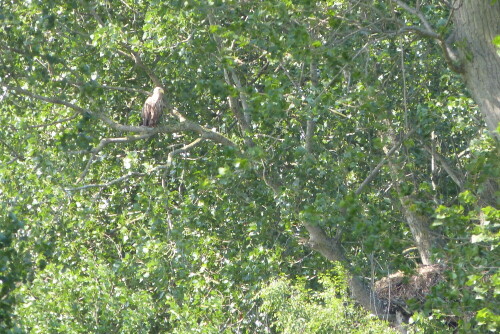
(153, 108)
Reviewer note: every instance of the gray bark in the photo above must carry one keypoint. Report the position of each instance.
(361, 292)
(420, 229)
(476, 23)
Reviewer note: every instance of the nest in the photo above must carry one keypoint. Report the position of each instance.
(398, 288)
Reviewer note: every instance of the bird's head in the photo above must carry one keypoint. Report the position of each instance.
(158, 91)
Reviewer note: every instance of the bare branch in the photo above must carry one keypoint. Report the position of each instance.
(182, 126)
(105, 142)
(48, 99)
(442, 160)
(183, 149)
(418, 13)
(64, 120)
(135, 56)
(375, 171)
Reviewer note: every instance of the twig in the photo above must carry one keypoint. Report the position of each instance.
(48, 99)
(126, 89)
(105, 142)
(55, 122)
(374, 172)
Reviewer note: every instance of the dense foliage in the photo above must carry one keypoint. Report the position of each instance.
(197, 226)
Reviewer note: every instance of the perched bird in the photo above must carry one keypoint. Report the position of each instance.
(153, 108)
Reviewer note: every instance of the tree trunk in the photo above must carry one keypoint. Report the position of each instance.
(476, 23)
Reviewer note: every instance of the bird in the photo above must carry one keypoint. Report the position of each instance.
(153, 108)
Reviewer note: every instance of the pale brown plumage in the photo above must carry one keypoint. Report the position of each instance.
(153, 108)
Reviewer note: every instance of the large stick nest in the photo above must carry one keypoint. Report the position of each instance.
(398, 288)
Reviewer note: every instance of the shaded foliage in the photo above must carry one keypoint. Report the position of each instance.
(127, 237)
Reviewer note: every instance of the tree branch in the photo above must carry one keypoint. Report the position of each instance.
(47, 99)
(442, 160)
(105, 142)
(332, 250)
(137, 58)
(64, 120)
(377, 168)
(243, 97)
(126, 89)
(183, 149)
(417, 13)
(449, 55)
(242, 118)
(183, 126)
(134, 174)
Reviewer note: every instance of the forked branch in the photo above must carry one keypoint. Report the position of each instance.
(427, 31)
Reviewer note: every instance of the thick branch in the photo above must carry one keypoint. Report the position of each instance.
(243, 97)
(458, 180)
(331, 249)
(183, 126)
(242, 118)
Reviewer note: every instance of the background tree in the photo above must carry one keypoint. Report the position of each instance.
(296, 134)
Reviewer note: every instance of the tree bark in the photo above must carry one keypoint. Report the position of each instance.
(476, 23)
(420, 225)
(420, 229)
(361, 292)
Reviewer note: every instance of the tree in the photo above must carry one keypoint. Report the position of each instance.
(476, 27)
(293, 125)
